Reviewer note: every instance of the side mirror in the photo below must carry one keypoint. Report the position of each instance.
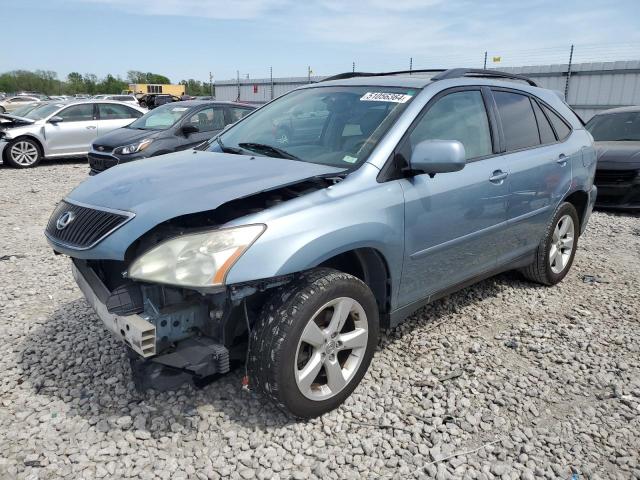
(56, 119)
(189, 129)
(438, 156)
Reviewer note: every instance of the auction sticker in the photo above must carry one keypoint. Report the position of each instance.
(385, 97)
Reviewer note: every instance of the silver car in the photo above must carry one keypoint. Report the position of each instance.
(60, 129)
(12, 103)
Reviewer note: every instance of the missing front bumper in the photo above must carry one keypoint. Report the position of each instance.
(133, 330)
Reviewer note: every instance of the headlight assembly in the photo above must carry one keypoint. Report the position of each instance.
(134, 147)
(197, 260)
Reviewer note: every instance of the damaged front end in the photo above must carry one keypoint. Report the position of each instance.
(177, 326)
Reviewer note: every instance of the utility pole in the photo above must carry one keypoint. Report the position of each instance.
(309, 73)
(271, 80)
(211, 84)
(485, 60)
(353, 67)
(238, 81)
(410, 65)
(566, 85)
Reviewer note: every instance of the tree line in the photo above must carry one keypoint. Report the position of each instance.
(48, 83)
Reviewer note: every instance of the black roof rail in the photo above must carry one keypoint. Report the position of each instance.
(478, 72)
(342, 76)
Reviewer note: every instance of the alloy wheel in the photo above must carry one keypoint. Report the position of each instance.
(331, 348)
(561, 244)
(24, 153)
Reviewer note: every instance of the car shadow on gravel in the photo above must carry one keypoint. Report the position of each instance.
(71, 357)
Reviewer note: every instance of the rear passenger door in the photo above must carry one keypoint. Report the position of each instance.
(114, 115)
(454, 221)
(540, 170)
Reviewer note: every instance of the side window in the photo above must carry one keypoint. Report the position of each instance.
(113, 111)
(518, 121)
(206, 120)
(559, 125)
(237, 113)
(77, 113)
(458, 116)
(546, 132)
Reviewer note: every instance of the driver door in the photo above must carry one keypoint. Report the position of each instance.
(454, 222)
(75, 133)
(208, 122)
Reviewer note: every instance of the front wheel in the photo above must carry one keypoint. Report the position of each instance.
(314, 342)
(22, 153)
(557, 250)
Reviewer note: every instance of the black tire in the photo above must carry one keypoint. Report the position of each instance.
(540, 270)
(15, 162)
(276, 335)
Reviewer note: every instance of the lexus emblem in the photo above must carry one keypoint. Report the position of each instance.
(64, 220)
(101, 148)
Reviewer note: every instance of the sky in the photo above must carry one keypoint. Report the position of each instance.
(185, 39)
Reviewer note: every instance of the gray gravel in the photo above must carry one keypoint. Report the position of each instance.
(502, 380)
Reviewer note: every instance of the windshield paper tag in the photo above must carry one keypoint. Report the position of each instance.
(349, 159)
(385, 97)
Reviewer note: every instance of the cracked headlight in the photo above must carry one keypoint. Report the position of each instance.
(195, 260)
(134, 147)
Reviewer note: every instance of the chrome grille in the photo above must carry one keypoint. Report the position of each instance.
(89, 225)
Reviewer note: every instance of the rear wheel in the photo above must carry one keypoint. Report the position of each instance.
(557, 250)
(313, 342)
(22, 153)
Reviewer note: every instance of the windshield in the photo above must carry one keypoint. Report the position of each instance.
(337, 126)
(42, 110)
(160, 118)
(20, 112)
(612, 127)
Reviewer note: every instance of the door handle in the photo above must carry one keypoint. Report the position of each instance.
(562, 160)
(498, 176)
(91, 127)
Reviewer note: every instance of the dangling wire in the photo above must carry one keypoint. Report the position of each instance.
(245, 379)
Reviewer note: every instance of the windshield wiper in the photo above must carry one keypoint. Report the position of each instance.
(226, 149)
(627, 140)
(264, 148)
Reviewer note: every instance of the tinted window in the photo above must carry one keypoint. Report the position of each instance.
(113, 111)
(77, 113)
(518, 121)
(161, 118)
(237, 113)
(561, 128)
(546, 132)
(207, 120)
(458, 116)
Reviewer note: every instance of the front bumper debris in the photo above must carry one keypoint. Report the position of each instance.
(136, 332)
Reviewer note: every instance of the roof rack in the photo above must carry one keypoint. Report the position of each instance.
(342, 76)
(441, 74)
(478, 72)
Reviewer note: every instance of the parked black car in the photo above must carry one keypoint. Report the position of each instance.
(169, 128)
(617, 136)
(154, 100)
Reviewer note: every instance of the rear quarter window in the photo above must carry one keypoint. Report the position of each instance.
(559, 125)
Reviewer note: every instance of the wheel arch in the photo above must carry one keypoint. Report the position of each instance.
(580, 200)
(369, 265)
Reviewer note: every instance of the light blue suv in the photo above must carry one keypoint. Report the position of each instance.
(288, 253)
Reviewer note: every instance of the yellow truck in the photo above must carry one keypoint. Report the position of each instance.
(139, 89)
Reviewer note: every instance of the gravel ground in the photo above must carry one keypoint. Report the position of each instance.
(502, 380)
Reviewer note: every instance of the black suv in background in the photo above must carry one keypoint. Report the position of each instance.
(153, 100)
(169, 128)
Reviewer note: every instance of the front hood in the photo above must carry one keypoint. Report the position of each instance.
(10, 121)
(181, 183)
(125, 136)
(618, 155)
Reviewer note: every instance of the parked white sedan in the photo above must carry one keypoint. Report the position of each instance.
(60, 129)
